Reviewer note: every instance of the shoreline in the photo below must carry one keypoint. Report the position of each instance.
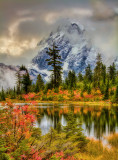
(83, 103)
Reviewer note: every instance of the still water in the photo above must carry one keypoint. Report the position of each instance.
(97, 122)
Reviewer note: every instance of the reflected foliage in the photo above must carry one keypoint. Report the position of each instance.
(96, 121)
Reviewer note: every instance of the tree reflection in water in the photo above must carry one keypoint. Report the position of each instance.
(96, 121)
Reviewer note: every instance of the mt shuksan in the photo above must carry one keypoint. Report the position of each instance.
(76, 53)
(75, 48)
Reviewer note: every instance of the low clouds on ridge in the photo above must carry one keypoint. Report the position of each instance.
(25, 23)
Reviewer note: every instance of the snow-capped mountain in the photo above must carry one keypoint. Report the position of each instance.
(75, 48)
(76, 52)
(7, 76)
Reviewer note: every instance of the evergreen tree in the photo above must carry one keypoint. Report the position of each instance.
(39, 84)
(33, 87)
(2, 95)
(89, 90)
(23, 80)
(111, 92)
(106, 95)
(26, 82)
(80, 77)
(12, 93)
(74, 131)
(18, 82)
(71, 80)
(59, 128)
(82, 94)
(51, 135)
(19, 76)
(116, 95)
(23, 68)
(103, 73)
(85, 87)
(55, 62)
(102, 88)
(98, 71)
(88, 74)
(112, 73)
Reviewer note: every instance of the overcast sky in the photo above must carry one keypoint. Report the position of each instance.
(23, 23)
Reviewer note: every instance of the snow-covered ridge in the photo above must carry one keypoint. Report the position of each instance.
(75, 48)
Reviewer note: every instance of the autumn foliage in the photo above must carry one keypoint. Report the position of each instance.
(21, 140)
(16, 130)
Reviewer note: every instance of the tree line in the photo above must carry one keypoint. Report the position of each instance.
(102, 78)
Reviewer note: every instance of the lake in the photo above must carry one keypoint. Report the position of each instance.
(96, 122)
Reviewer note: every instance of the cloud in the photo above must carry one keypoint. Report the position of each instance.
(13, 28)
(52, 17)
(24, 58)
(29, 25)
(23, 23)
(105, 37)
(16, 48)
(101, 10)
(24, 12)
(10, 44)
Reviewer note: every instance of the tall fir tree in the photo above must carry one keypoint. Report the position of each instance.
(71, 80)
(39, 84)
(112, 73)
(98, 71)
(55, 62)
(80, 77)
(18, 82)
(88, 74)
(26, 82)
(116, 95)
(103, 73)
(19, 78)
(74, 131)
(106, 94)
(3, 95)
(23, 68)
(23, 80)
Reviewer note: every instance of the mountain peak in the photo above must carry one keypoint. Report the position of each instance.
(68, 27)
(76, 53)
(76, 50)
(71, 26)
